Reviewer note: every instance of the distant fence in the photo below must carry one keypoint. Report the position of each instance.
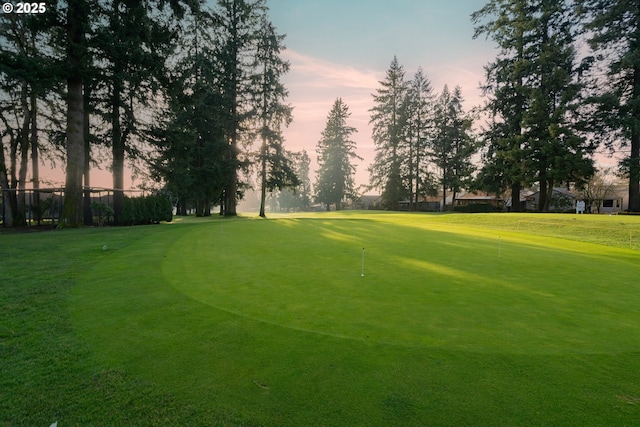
(43, 206)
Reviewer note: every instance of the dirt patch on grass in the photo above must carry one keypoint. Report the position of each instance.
(631, 400)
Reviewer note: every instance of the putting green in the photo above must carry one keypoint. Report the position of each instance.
(425, 284)
(269, 322)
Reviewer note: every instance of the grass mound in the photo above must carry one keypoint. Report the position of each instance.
(459, 319)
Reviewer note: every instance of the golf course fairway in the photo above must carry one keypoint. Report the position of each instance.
(370, 319)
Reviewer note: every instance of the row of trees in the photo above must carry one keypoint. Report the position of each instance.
(423, 142)
(549, 110)
(196, 90)
(187, 86)
(225, 93)
(551, 105)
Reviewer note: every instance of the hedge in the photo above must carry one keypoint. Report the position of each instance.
(146, 210)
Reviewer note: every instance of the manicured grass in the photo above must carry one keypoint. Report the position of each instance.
(459, 320)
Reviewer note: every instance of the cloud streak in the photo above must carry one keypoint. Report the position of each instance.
(315, 83)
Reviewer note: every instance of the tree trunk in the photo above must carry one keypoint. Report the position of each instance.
(549, 198)
(35, 163)
(72, 207)
(230, 195)
(117, 150)
(411, 149)
(181, 208)
(542, 195)
(453, 199)
(199, 207)
(263, 176)
(234, 76)
(24, 141)
(634, 173)
(7, 218)
(515, 197)
(88, 214)
(444, 193)
(417, 194)
(8, 182)
(634, 156)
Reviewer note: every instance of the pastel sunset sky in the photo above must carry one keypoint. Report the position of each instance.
(343, 48)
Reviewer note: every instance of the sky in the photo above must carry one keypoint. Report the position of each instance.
(343, 48)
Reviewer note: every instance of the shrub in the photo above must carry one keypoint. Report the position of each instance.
(146, 209)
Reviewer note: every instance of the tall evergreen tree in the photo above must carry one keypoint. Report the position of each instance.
(614, 27)
(555, 150)
(25, 76)
(31, 77)
(336, 151)
(302, 164)
(453, 145)
(534, 91)
(419, 134)
(76, 27)
(190, 139)
(388, 117)
(238, 24)
(509, 26)
(271, 113)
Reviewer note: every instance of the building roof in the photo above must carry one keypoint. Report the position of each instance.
(480, 196)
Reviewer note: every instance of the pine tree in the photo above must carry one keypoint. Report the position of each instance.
(336, 151)
(271, 113)
(76, 26)
(388, 117)
(509, 26)
(614, 27)
(238, 24)
(453, 145)
(419, 134)
(302, 164)
(29, 73)
(534, 92)
(555, 150)
(190, 138)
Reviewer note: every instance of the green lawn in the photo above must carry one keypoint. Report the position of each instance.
(487, 319)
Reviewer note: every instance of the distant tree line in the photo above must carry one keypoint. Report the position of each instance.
(550, 106)
(423, 140)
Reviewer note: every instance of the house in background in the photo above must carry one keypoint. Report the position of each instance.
(616, 201)
(468, 199)
(371, 201)
(425, 203)
(562, 200)
(524, 194)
